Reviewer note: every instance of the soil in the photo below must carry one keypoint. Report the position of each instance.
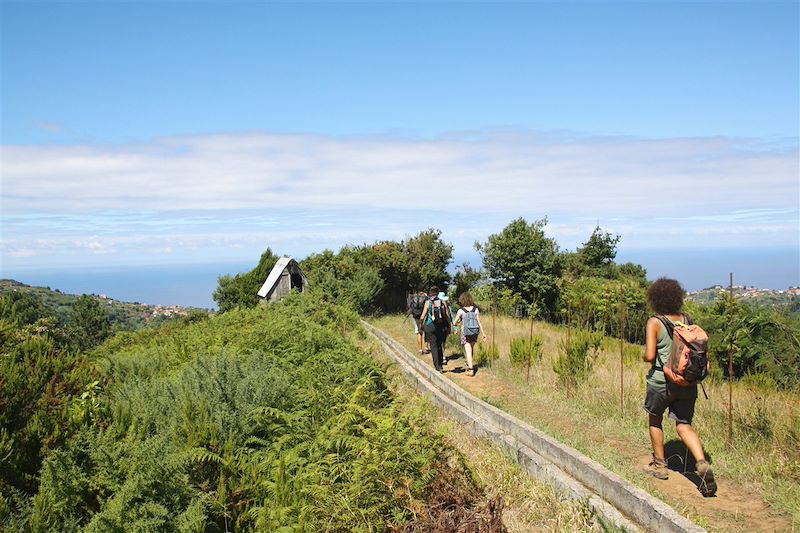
(734, 507)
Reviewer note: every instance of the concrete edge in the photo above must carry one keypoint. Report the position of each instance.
(608, 493)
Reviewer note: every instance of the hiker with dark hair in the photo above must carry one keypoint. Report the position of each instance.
(470, 319)
(665, 297)
(416, 302)
(437, 323)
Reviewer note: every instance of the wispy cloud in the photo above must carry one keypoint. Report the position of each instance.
(48, 126)
(178, 192)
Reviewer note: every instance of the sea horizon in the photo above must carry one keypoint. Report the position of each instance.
(193, 284)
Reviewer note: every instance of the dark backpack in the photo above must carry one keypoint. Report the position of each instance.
(471, 326)
(689, 355)
(416, 305)
(437, 312)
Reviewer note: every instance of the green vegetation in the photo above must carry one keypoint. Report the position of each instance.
(241, 290)
(28, 304)
(365, 278)
(254, 420)
(761, 464)
(763, 340)
(522, 260)
(576, 357)
(38, 378)
(268, 417)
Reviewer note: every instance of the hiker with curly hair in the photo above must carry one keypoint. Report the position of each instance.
(665, 297)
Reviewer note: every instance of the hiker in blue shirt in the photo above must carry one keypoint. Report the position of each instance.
(437, 323)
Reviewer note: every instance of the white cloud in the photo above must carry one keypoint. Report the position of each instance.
(491, 172)
(239, 192)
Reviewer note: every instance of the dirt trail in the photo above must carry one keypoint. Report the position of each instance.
(734, 508)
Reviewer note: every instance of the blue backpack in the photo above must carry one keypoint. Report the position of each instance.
(470, 320)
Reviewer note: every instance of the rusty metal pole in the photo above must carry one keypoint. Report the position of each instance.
(530, 345)
(494, 314)
(621, 353)
(730, 367)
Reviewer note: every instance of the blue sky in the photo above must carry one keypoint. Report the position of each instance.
(192, 132)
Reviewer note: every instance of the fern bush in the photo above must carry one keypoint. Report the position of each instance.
(255, 420)
(576, 357)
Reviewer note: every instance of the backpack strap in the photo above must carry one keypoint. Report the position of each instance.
(670, 327)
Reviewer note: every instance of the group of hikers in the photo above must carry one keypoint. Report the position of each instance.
(434, 321)
(675, 348)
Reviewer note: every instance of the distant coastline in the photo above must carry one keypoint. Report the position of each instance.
(192, 285)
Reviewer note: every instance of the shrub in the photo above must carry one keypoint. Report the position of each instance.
(259, 419)
(524, 352)
(576, 357)
(485, 354)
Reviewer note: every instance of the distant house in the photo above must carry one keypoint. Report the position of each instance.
(285, 276)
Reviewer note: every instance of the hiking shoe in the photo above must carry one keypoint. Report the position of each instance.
(658, 469)
(708, 486)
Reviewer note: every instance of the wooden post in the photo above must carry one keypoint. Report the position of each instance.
(494, 314)
(730, 367)
(621, 353)
(530, 345)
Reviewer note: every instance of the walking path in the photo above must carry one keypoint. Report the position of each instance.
(735, 508)
(618, 501)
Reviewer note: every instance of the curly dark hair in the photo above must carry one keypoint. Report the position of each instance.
(665, 296)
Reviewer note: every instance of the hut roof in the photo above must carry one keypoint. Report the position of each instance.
(274, 275)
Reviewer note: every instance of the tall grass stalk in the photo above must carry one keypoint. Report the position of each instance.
(764, 457)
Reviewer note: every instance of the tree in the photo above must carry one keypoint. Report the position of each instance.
(598, 253)
(241, 290)
(343, 279)
(428, 257)
(466, 277)
(522, 259)
(391, 261)
(89, 325)
(635, 272)
(24, 308)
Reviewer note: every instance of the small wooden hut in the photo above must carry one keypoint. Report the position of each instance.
(285, 276)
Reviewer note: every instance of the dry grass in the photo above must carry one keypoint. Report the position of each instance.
(529, 505)
(764, 458)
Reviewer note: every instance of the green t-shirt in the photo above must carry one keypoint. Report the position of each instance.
(655, 377)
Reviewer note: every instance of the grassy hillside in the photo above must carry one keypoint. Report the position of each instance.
(124, 316)
(759, 472)
(254, 420)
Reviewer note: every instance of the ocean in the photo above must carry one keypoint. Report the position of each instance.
(192, 285)
(186, 285)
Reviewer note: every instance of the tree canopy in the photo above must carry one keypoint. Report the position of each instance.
(241, 290)
(522, 259)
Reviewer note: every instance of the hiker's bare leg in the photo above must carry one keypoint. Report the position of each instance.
(656, 435)
(468, 354)
(691, 440)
